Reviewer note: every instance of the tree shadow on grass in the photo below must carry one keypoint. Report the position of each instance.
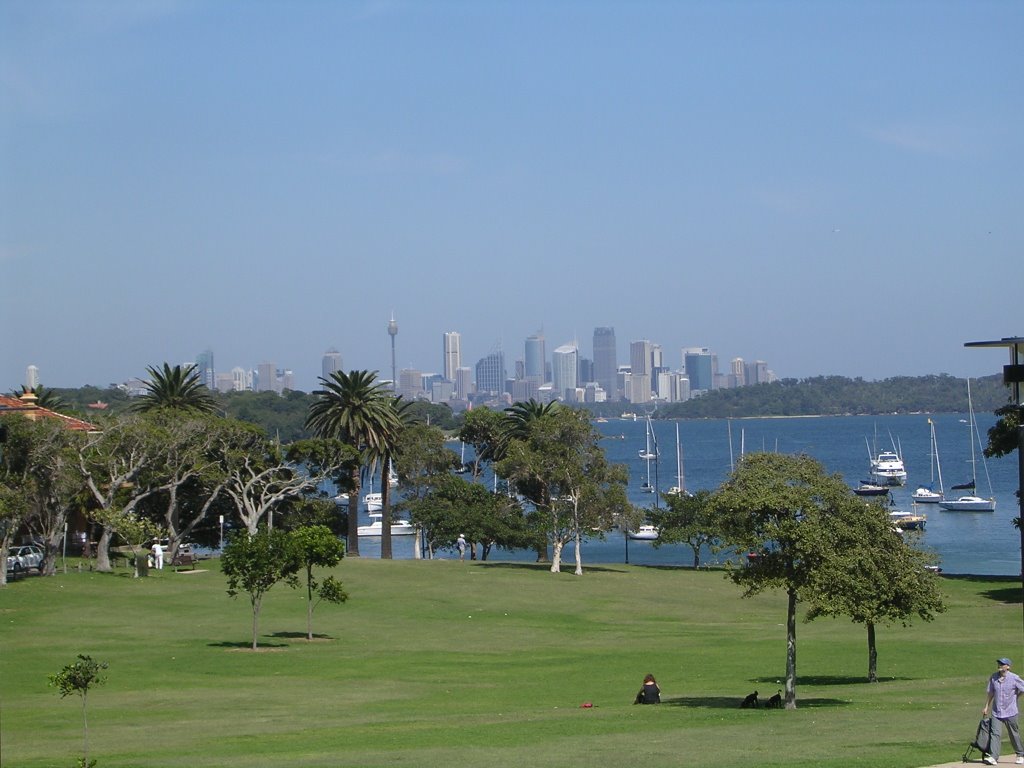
(827, 680)
(567, 568)
(1009, 594)
(733, 702)
(300, 636)
(247, 645)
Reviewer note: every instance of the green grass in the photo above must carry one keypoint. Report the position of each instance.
(438, 663)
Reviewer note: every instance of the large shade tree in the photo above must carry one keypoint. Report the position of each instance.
(776, 508)
(359, 411)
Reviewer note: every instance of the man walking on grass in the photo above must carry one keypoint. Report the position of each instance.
(1003, 689)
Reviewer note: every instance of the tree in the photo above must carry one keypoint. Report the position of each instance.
(386, 454)
(78, 677)
(177, 388)
(685, 519)
(555, 460)
(255, 562)
(481, 429)
(40, 464)
(354, 409)
(14, 510)
(316, 546)
(775, 507)
(868, 572)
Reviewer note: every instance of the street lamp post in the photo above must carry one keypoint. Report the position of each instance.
(1013, 375)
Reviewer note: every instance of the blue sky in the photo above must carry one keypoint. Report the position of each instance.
(832, 187)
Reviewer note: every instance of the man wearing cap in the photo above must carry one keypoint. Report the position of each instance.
(1003, 689)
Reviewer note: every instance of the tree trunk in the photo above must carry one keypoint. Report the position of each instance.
(579, 556)
(872, 654)
(556, 559)
(309, 603)
(352, 548)
(385, 513)
(85, 731)
(791, 651)
(696, 556)
(255, 622)
(103, 550)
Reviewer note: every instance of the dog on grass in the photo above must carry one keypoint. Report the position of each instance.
(750, 701)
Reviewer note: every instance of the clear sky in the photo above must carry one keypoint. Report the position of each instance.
(832, 187)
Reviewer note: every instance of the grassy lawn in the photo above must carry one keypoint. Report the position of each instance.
(438, 663)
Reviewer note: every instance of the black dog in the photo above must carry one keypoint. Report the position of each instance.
(750, 702)
(775, 702)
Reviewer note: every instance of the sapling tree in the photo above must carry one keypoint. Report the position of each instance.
(255, 562)
(78, 677)
(316, 546)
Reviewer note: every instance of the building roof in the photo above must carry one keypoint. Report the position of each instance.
(26, 406)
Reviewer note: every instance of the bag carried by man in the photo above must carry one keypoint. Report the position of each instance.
(982, 739)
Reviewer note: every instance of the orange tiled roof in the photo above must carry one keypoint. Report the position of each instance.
(27, 407)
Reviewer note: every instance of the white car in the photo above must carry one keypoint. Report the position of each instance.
(29, 556)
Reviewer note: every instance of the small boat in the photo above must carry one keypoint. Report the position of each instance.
(374, 502)
(908, 521)
(376, 527)
(341, 499)
(867, 488)
(971, 502)
(643, 533)
(926, 494)
(678, 490)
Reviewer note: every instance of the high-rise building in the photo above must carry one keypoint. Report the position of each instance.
(738, 372)
(565, 370)
(331, 363)
(640, 358)
(204, 368)
(490, 373)
(463, 383)
(452, 354)
(699, 366)
(241, 381)
(392, 332)
(410, 383)
(757, 372)
(536, 357)
(266, 377)
(605, 361)
(31, 377)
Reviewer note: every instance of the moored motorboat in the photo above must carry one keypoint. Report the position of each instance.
(644, 533)
(887, 469)
(374, 502)
(908, 521)
(376, 527)
(871, 489)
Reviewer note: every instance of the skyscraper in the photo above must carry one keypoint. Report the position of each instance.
(535, 357)
(331, 363)
(564, 370)
(640, 359)
(204, 367)
(490, 373)
(699, 367)
(605, 362)
(452, 354)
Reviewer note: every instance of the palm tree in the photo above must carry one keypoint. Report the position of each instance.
(175, 388)
(517, 421)
(354, 409)
(404, 417)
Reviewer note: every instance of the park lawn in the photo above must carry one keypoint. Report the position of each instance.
(433, 663)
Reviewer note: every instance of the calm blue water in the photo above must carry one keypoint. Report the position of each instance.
(980, 543)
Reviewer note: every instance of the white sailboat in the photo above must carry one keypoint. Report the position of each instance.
(680, 488)
(970, 502)
(649, 453)
(926, 494)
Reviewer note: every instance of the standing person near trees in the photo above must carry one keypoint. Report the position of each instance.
(461, 544)
(1004, 687)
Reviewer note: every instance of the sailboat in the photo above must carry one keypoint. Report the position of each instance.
(926, 494)
(680, 489)
(971, 503)
(647, 454)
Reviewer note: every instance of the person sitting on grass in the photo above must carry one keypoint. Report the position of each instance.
(649, 693)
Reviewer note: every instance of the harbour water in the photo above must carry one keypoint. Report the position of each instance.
(965, 542)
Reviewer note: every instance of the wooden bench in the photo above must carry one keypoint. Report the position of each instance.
(182, 559)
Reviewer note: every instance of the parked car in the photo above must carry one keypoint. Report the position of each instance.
(30, 556)
(14, 569)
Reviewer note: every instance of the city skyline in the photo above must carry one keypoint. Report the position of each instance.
(832, 187)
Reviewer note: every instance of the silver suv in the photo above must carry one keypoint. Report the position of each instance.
(29, 556)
